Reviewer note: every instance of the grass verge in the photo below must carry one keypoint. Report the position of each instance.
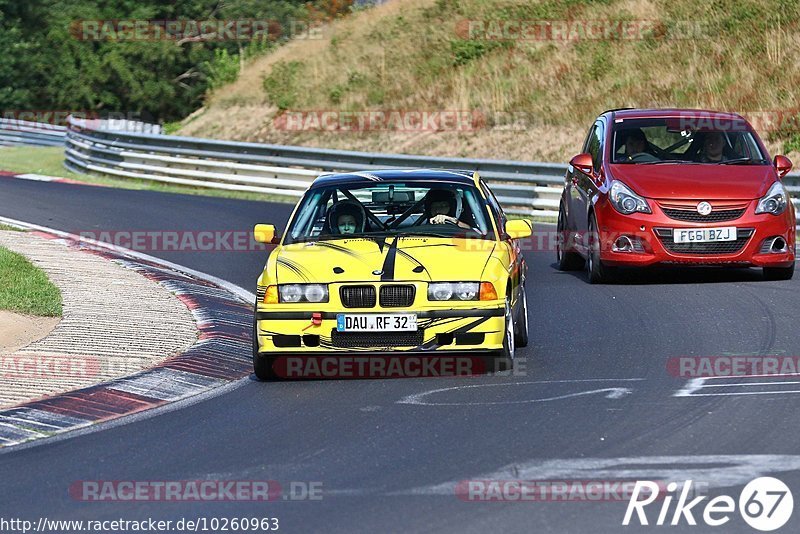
(25, 288)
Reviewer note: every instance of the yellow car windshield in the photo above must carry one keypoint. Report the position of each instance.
(439, 209)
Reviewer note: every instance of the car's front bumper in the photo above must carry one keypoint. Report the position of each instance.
(653, 231)
(287, 331)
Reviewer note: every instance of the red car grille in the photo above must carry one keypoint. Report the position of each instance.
(693, 216)
(720, 247)
(688, 212)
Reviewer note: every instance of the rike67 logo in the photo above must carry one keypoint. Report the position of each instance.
(765, 504)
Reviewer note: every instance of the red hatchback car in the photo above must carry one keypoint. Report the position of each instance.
(673, 186)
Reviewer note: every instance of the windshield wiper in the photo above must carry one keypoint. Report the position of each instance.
(684, 161)
(739, 161)
(401, 235)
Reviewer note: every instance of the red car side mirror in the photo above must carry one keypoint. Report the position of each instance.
(583, 162)
(782, 165)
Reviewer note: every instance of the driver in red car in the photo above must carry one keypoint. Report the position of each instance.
(636, 146)
(713, 148)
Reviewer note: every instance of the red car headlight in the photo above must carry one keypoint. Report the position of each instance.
(626, 201)
(774, 202)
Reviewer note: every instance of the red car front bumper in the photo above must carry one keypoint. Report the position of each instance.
(653, 230)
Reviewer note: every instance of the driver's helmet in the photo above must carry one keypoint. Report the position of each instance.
(635, 134)
(443, 195)
(345, 207)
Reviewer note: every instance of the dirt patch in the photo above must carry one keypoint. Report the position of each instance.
(18, 331)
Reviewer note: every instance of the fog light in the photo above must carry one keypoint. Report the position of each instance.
(622, 244)
(774, 245)
(778, 246)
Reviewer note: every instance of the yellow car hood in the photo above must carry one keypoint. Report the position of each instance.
(359, 259)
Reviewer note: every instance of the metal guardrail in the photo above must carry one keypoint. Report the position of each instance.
(18, 133)
(524, 188)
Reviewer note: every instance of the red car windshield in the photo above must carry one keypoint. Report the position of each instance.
(684, 140)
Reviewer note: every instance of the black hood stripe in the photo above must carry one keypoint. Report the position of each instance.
(412, 259)
(292, 266)
(337, 248)
(344, 250)
(389, 262)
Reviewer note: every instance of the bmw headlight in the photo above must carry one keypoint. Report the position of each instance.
(303, 293)
(466, 290)
(774, 202)
(440, 291)
(626, 201)
(453, 291)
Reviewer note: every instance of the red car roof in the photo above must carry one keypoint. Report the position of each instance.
(673, 112)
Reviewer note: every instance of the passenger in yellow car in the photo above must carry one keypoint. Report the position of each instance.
(346, 217)
(441, 207)
(346, 223)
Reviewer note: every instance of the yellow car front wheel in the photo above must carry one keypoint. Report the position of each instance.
(504, 360)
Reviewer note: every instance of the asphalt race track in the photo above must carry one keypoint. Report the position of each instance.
(596, 402)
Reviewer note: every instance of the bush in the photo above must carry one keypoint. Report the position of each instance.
(222, 69)
(282, 84)
(465, 50)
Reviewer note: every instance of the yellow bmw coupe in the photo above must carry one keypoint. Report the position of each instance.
(407, 263)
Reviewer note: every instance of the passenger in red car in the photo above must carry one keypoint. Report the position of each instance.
(713, 148)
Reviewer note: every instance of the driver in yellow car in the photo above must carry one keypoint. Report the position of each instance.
(440, 208)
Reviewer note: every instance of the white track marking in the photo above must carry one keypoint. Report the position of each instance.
(37, 177)
(612, 392)
(693, 386)
(740, 393)
(744, 384)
